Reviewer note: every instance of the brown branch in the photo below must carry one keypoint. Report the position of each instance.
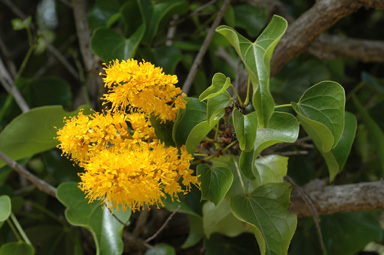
(331, 46)
(83, 33)
(162, 227)
(40, 184)
(10, 87)
(192, 73)
(322, 15)
(340, 198)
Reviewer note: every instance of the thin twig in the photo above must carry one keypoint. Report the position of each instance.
(8, 58)
(307, 200)
(163, 226)
(10, 87)
(141, 221)
(126, 224)
(191, 75)
(291, 153)
(40, 184)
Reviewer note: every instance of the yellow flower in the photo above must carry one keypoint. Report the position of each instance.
(144, 88)
(140, 176)
(125, 163)
(84, 135)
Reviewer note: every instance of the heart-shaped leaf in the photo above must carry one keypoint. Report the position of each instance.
(109, 45)
(198, 133)
(105, 229)
(256, 58)
(215, 182)
(34, 131)
(321, 113)
(5, 207)
(219, 219)
(266, 208)
(220, 83)
(245, 128)
(270, 169)
(337, 157)
(231, 162)
(283, 128)
(132, 17)
(187, 118)
(167, 57)
(17, 248)
(101, 12)
(216, 106)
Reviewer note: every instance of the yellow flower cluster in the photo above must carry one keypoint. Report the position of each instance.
(124, 162)
(144, 87)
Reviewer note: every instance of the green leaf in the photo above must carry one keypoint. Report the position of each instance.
(220, 83)
(161, 249)
(49, 91)
(267, 209)
(245, 128)
(337, 157)
(215, 182)
(373, 130)
(216, 106)
(219, 219)
(155, 14)
(163, 131)
(321, 113)
(105, 229)
(19, 24)
(167, 57)
(5, 207)
(33, 132)
(17, 248)
(187, 119)
(231, 162)
(283, 128)
(197, 134)
(132, 17)
(189, 203)
(60, 169)
(229, 16)
(251, 18)
(101, 13)
(270, 169)
(256, 58)
(196, 232)
(246, 164)
(109, 45)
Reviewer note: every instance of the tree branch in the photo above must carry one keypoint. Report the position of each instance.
(322, 15)
(40, 184)
(10, 87)
(331, 46)
(83, 33)
(192, 73)
(340, 198)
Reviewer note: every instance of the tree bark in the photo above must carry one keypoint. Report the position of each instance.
(341, 198)
(322, 15)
